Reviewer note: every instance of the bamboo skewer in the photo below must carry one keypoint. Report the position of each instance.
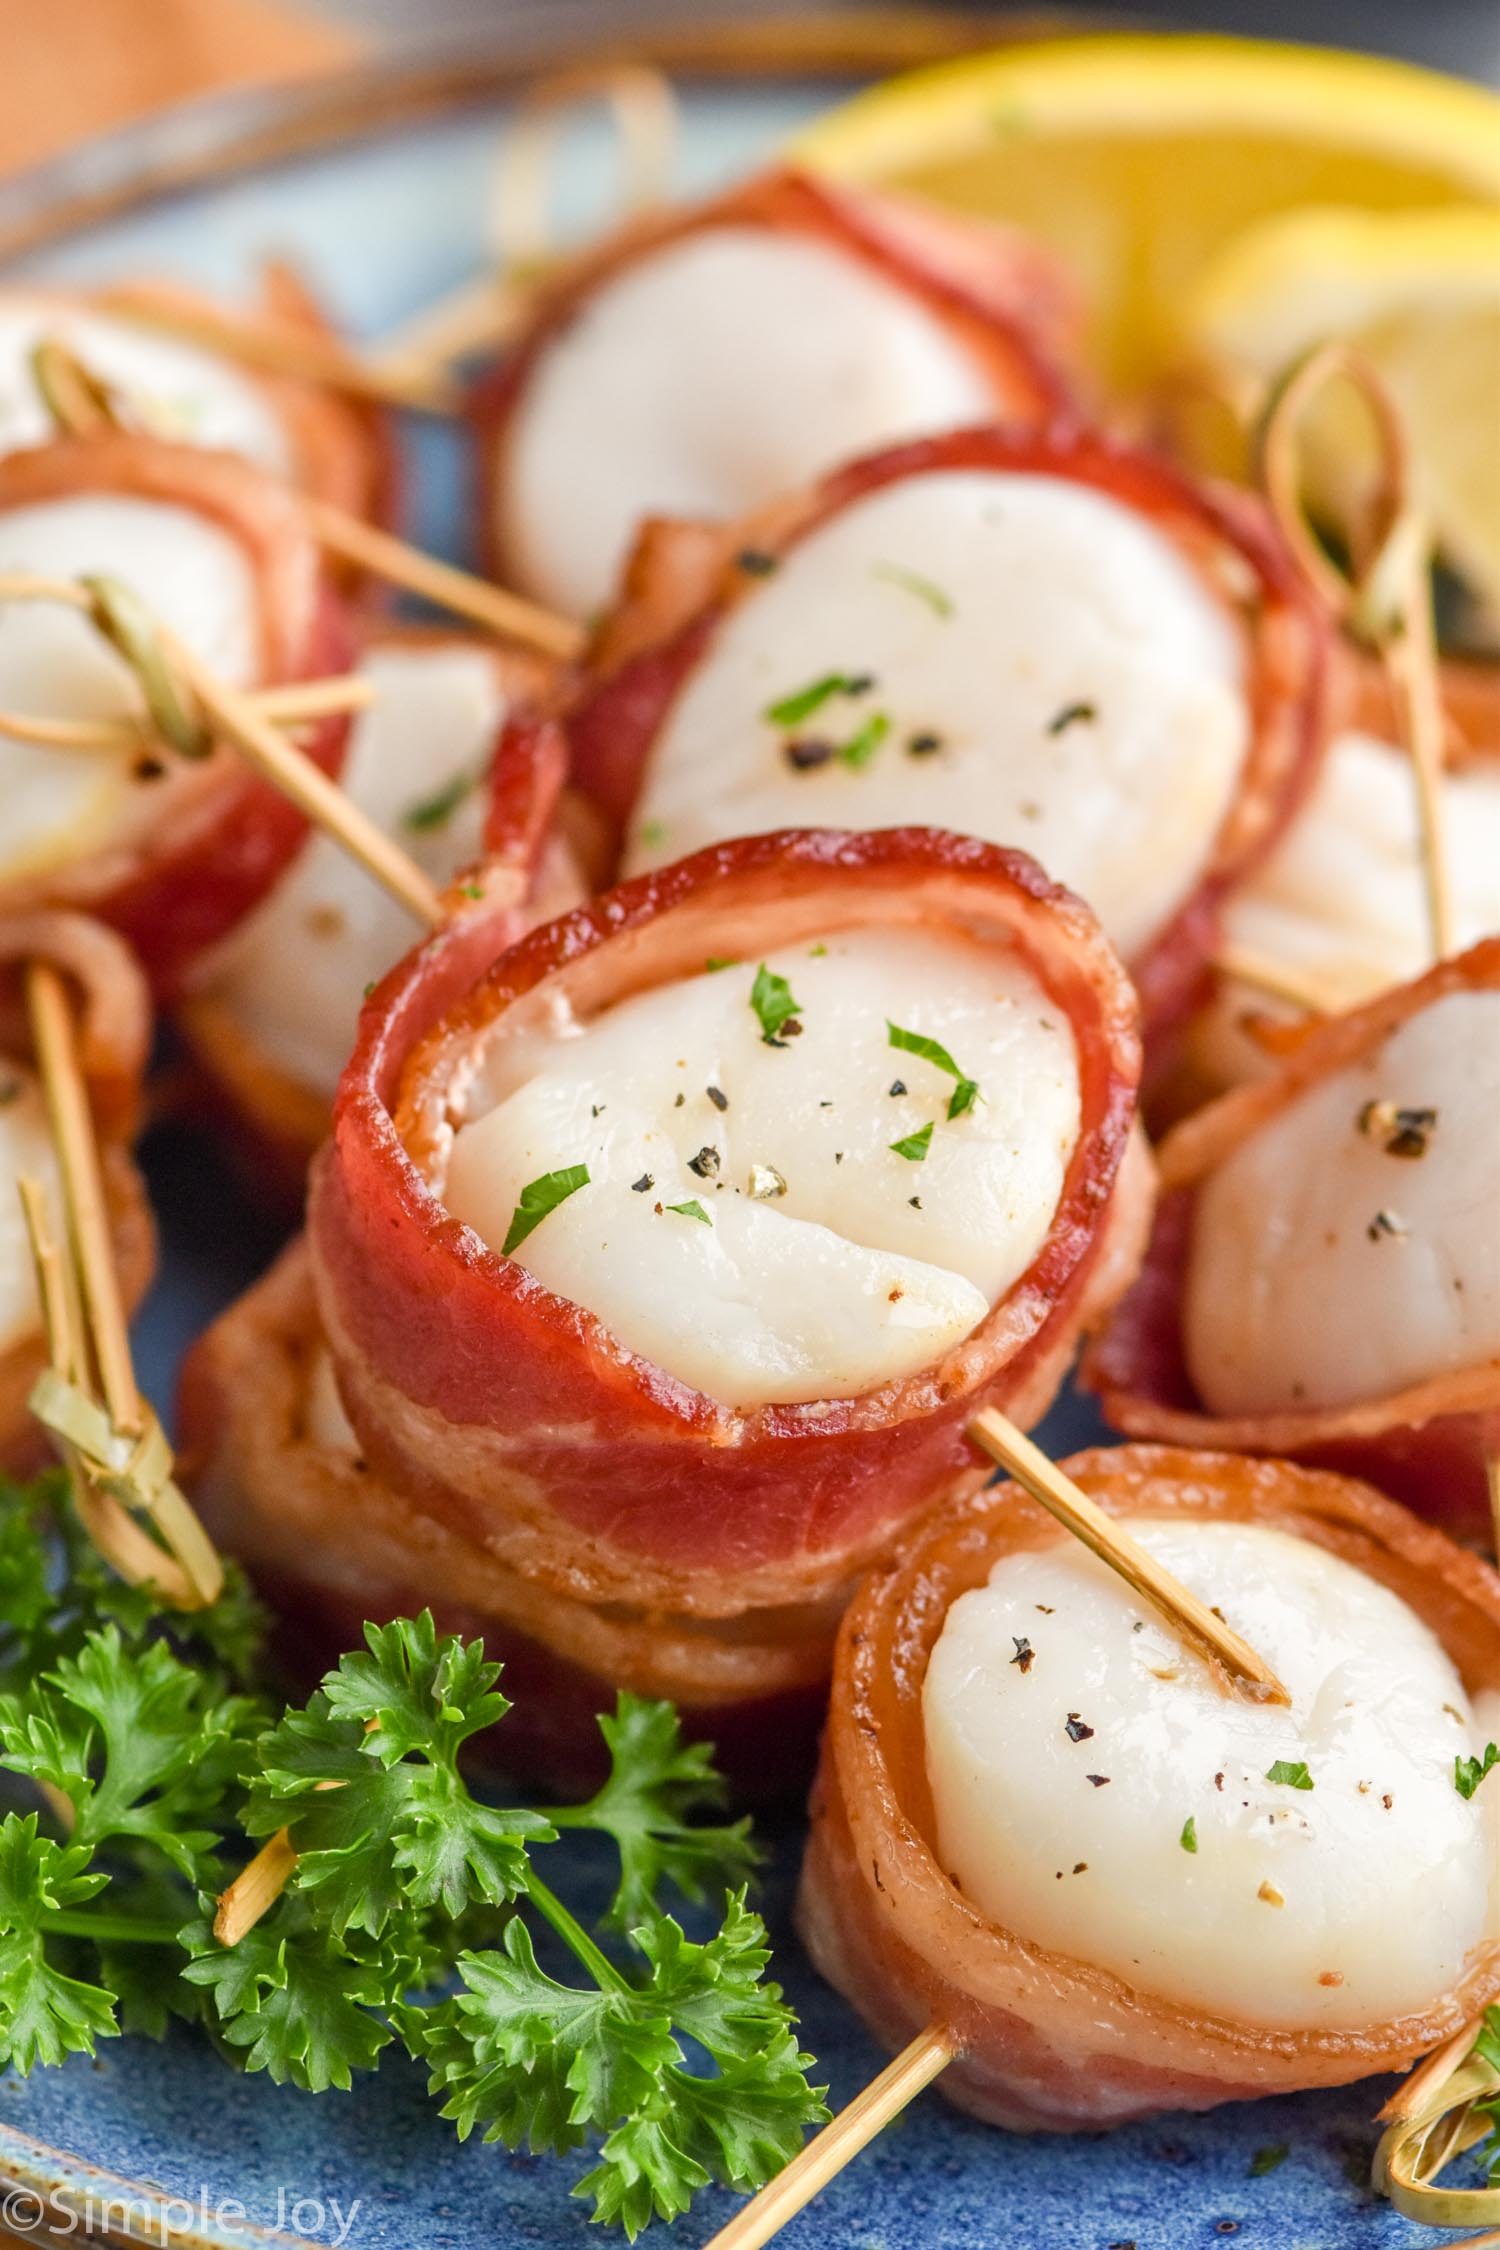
(1061, 1497)
(827, 2153)
(98, 1315)
(298, 703)
(508, 615)
(279, 348)
(1274, 978)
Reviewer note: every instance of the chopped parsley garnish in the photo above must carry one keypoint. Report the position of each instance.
(436, 810)
(652, 833)
(966, 1090)
(539, 1197)
(717, 961)
(915, 1146)
(913, 582)
(771, 998)
(792, 709)
(1189, 1837)
(1290, 1773)
(1469, 1772)
(1266, 2160)
(693, 1210)
(473, 890)
(862, 746)
(1071, 715)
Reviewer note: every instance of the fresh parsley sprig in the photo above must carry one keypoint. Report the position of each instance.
(154, 1763)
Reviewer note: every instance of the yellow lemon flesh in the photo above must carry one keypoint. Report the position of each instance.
(1137, 158)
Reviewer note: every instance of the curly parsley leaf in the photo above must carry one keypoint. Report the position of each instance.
(366, 1778)
(139, 1743)
(658, 1786)
(294, 2001)
(914, 1146)
(44, 2013)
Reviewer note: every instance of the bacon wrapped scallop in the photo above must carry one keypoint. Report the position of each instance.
(1042, 639)
(1044, 1825)
(1340, 903)
(1324, 1275)
(707, 359)
(190, 394)
(171, 852)
(281, 1480)
(114, 1038)
(271, 1012)
(666, 1257)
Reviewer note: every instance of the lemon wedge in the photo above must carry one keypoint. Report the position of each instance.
(1418, 293)
(1139, 157)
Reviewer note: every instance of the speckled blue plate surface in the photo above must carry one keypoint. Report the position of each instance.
(161, 2143)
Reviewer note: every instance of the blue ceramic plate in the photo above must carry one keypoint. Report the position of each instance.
(161, 2143)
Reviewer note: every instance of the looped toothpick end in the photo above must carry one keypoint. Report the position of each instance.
(128, 625)
(1384, 596)
(1444, 2108)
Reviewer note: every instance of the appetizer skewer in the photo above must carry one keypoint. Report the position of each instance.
(1042, 639)
(763, 1440)
(114, 1036)
(1142, 1902)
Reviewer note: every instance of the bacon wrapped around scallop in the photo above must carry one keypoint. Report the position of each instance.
(709, 358)
(114, 1037)
(1045, 1826)
(1324, 1275)
(1341, 903)
(191, 394)
(170, 851)
(282, 1482)
(666, 1256)
(1039, 638)
(270, 1013)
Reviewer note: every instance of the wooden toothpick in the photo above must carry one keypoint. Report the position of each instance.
(507, 615)
(298, 703)
(827, 2153)
(116, 1449)
(997, 1436)
(260, 340)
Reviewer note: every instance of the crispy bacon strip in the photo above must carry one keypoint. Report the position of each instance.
(218, 835)
(273, 1120)
(518, 1418)
(1426, 1443)
(684, 579)
(114, 1041)
(1002, 298)
(332, 1543)
(1049, 2043)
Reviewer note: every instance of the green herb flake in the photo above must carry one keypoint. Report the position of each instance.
(538, 1198)
(915, 1146)
(913, 582)
(717, 961)
(792, 709)
(862, 745)
(652, 833)
(1469, 1772)
(1189, 1837)
(1290, 1773)
(435, 811)
(693, 1210)
(1267, 2159)
(771, 998)
(966, 1090)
